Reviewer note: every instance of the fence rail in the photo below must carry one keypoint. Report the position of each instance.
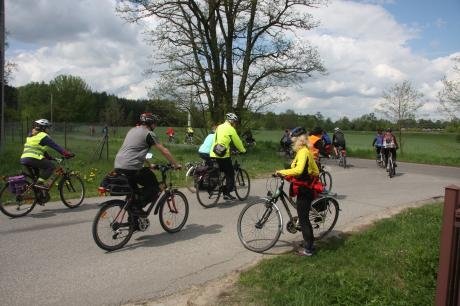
(448, 283)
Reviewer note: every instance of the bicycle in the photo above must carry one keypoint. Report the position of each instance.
(115, 222)
(391, 165)
(211, 185)
(20, 195)
(264, 216)
(380, 159)
(326, 178)
(342, 157)
(194, 171)
(188, 139)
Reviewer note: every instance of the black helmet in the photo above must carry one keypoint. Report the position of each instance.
(298, 131)
(389, 130)
(317, 130)
(149, 118)
(41, 124)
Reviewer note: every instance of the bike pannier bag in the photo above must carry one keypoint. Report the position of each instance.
(17, 184)
(219, 150)
(117, 184)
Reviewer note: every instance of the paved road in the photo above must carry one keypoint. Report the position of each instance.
(50, 258)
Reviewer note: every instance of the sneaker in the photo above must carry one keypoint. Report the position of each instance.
(305, 252)
(228, 196)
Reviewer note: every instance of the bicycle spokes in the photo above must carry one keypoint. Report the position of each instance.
(172, 204)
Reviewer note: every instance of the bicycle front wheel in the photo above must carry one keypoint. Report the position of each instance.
(259, 226)
(173, 211)
(207, 192)
(190, 179)
(326, 179)
(113, 226)
(242, 184)
(71, 190)
(17, 204)
(391, 167)
(323, 216)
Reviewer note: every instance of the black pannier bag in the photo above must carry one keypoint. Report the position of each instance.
(117, 184)
(209, 175)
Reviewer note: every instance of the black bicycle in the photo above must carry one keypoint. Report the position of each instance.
(390, 165)
(211, 185)
(115, 222)
(260, 223)
(326, 178)
(20, 195)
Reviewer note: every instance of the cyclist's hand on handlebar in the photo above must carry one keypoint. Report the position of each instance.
(67, 154)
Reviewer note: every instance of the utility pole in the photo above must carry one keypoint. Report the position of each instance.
(2, 64)
(51, 109)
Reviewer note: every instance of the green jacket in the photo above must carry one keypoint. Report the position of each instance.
(226, 134)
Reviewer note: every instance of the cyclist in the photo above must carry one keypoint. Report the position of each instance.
(338, 140)
(378, 142)
(285, 141)
(226, 134)
(170, 132)
(130, 160)
(303, 170)
(389, 144)
(35, 155)
(205, 147)
(189, 134)
(327, 143)
(316, 145)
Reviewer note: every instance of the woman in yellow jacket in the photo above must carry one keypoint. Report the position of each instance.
(303, 170)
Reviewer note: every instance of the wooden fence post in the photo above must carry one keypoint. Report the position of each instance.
(447, 289)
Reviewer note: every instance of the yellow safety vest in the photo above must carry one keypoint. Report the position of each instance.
(32, 147)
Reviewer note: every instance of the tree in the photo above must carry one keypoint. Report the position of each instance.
(227, 55)
(449, 96)
(400, 104)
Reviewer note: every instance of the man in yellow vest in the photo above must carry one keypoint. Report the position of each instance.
(35, 155)
(224, 135)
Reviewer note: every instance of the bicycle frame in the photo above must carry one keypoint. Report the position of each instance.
(285, 199)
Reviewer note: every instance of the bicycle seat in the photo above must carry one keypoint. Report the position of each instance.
(33, 171)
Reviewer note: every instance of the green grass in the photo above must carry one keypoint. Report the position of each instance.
(394, 262)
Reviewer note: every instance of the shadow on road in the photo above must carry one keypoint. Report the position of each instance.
(46, 212)
(191, 231)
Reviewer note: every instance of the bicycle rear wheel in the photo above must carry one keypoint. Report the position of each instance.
(323, 216)
(113, 226)
(208, 192)
(391, 166)
(242, 184)
(71, 190)
(259, 226)
(173, 211)
(190, 179)
(17, 205)
(326, 179)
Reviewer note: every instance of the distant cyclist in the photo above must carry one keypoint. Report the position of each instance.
(389, 145)
(378, 142)
(338, 140)
(35, 155)
(302, 171)
(226, 135)
(285, 141)
(171, 133)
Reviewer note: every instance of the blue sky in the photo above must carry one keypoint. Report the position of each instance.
(366, 46)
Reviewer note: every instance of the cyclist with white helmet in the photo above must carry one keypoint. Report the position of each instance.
(35, 152)
(389, 145)
(131, 158)
(225, 135)
(338, 140)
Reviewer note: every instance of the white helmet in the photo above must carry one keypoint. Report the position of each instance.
(41, 124)
(336, 129)
(231, 117)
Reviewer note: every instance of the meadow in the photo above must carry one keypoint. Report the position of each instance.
(432, 148)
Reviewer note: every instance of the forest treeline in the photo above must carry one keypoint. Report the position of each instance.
(69, 99)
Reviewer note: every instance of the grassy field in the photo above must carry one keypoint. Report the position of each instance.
(394, 262)
(263, 159)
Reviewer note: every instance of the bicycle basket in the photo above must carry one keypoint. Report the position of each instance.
(117, 184)
(17, 184)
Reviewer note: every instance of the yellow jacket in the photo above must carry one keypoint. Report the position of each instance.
(225, 134)
(303, 158)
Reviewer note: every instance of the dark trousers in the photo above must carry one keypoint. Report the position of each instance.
(303, 202)
(145, 178)
(226, 166)
(45, 166)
